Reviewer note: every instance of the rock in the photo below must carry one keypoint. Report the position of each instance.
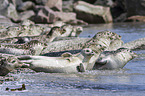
(135, 7)
(26, 15)
(55, 5)
(67, 6)
(10, 12)
(136, 18)
(65, 17)
(16, 2)
(92, 14)
(118, 8)
(25, 6)
(108, 3)
(88, 1)
(3, 5)
(4, 19)
(121, 18)
(41, 2)
(44, 15)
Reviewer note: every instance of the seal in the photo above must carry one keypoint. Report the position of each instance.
(103, 38)
(8, 63)
(34, 47)
(43, 37)
(114, 59)
(67, 63)
(137, 44)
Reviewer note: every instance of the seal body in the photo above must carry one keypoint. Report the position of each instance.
(67, 63)
(114, 59)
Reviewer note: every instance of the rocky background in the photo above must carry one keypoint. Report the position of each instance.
(72, 11)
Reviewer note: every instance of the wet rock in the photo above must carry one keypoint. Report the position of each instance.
(25, 6)
(108, 3)
(10, 12)
(92, 14)
(26, 15)
(136, 18)
(40, 2)
(3, 4)
(55, 5)
(88, 1)
(121, 18)
(16, 2)
(65, 17)
(118, 8)
(44, 15)
(67, 6)
(135, 7)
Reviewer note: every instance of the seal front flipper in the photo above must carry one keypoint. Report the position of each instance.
(67, 56)
(81, 68)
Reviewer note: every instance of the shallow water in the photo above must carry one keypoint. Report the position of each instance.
(129, 81)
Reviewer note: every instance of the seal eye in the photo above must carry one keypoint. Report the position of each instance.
(87, 50)
(100, 45)
(130, 51)
(108, 34)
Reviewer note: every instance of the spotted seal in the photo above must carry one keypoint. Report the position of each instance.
(34, 47)
(114, 59)
(67, 63)
(43, 37)
(101, 38)
(8, 63)
(136, 44)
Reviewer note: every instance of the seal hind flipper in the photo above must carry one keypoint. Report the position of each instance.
(81, 68)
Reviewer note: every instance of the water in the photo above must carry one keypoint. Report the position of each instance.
(129, 81)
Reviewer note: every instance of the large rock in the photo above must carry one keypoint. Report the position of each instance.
(25, 6)
(44, 15)
(118, 9)
(65, 17)
(16, 2)
(55, 5)
(3, 4)
(67, 6)
(88, 1)
(11, 12)
(135, 7)
(91, 13)
(108, 3)
(26, 15)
